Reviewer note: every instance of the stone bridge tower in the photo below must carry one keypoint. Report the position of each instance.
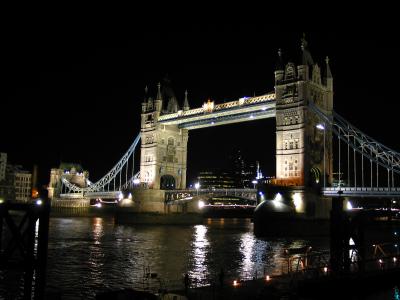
(163, 152)
(299, 141)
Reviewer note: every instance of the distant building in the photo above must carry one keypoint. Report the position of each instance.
(22, 184)
(245, 173)
(216, 179)
(3, 164)
(7, 189)
(15, 183)
(73, 172)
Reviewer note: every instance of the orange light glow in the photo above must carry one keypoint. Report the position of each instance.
(35, 193)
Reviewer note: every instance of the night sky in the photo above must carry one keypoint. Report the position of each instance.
(73, 87)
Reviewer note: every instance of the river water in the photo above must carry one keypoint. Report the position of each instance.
(90, 255)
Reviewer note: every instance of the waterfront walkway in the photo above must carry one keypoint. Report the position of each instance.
(298, 286)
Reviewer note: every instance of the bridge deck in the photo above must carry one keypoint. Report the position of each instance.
(361, 192)
(244, 109)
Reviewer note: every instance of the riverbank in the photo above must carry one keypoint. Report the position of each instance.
(370, 285)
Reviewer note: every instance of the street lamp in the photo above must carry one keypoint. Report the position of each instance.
(254, 182)
(197, 186)
(321, 126)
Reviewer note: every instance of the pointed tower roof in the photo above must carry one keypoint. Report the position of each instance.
(159, 97)
(146, 90)
(306, 57)
(173, 106)
(186, 102)
(168, 94)
(279, 62)
(328, 69)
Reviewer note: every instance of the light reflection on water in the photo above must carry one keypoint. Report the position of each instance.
(89, 255)
(200, 247)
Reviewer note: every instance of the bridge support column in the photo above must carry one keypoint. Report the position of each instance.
(303, 145)
(147, 201)
(163, 152)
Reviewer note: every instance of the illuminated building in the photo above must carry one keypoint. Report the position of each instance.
(22, 184)
(15, 183)
(298, 161)
(74, 173)
(245, 173)
(216, 179)
(163, 147)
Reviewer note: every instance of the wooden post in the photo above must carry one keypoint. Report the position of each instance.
(43, 237)
(336, 233)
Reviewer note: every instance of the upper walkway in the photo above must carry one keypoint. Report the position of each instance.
(210, 114)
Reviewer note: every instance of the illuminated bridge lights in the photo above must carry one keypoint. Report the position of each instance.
(210, 114)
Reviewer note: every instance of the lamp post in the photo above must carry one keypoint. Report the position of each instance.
(254, 182)
(321, 126)
(197, 186)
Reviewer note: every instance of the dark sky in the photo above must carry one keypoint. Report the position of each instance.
(73, 86)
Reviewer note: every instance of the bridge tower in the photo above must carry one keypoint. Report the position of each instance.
(300, 142)
(163, 147)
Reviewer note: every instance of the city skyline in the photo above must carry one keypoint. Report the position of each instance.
(82, 94)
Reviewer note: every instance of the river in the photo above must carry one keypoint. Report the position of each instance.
(90, 255)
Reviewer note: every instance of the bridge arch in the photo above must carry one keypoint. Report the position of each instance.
(167, 182)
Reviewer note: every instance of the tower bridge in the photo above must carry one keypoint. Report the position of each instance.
(312, 141)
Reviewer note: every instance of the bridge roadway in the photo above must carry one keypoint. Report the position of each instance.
(92, 195)
(171, 195)
(244, 109)
(383, 192)
(174, 195)
(250, 194)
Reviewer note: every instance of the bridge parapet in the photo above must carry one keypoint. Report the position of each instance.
(361, 192)
(172, 195)
(246, 101)
(72, 196)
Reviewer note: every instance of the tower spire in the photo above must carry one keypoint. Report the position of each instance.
(146, 90)
(159, 92)
(328, 69)
(306, 57)
(186, 102)
(279, 63)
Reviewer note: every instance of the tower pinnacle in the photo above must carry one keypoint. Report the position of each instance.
(306, 56)
(158, 91)
(146, 90)
(328, 69)
(279, 63)
(186, 102)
